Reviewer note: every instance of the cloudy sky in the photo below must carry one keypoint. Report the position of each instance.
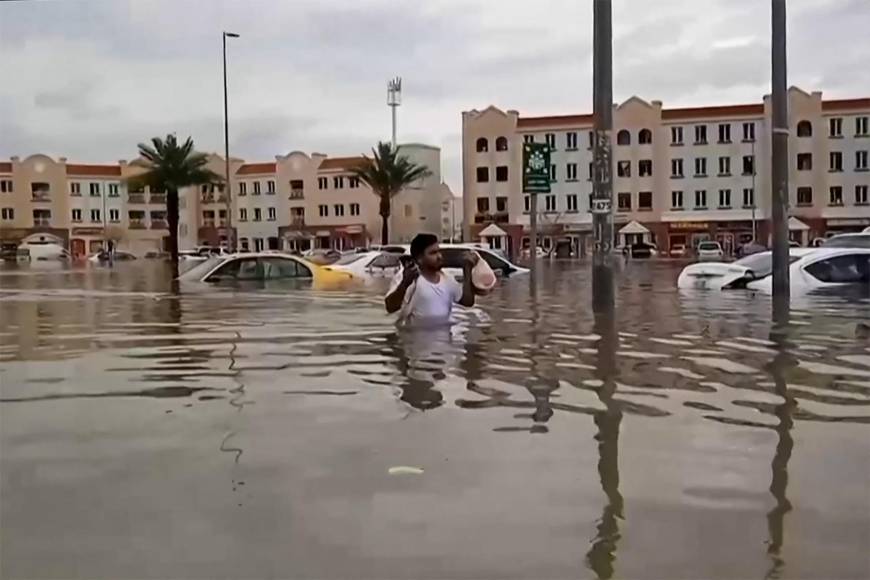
(89, 79)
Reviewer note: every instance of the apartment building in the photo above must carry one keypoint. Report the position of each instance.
(680, 175)
(296, 202)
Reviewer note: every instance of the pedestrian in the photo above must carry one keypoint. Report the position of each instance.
(422, 293)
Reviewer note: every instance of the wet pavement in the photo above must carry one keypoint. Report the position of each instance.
(251, 432)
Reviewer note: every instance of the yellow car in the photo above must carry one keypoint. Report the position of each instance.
(266, 266)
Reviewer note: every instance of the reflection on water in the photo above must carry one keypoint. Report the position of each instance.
(248, 433)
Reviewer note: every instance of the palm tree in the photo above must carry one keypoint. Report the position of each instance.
(388, 173)
(170, 167)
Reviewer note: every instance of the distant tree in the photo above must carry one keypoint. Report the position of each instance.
(170, 167)
(388, 173)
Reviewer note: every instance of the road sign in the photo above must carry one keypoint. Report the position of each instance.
(602, 205)
(536, 168)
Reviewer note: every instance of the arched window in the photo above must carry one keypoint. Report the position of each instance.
(644, 137)
(501, 144)
(805, 129)
(482, 145)
(623, 138)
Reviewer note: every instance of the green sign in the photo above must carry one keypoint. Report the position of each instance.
(536, 168)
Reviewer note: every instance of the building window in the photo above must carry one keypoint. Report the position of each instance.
(749, 131)
(550, 203)
(804, 129)
(836, 161)
(700, 166)
(861, 127)
(76, 215)
(805, 162)
(244, 244)
(354, 209)
(273, 215)
(527, 203)
(571, 141)
(501, 173)
(552, 172)
(113, 190)
(676, 135)
(338, 210)
(572, 202)
(482, 145)
(623, 168)
(724, 198)
(256, 188)
(835, 126)
(528, 138)
(860, 195)
(804, 196)
(501, 144)
(482, 205)
(8, 214)
(724, 133)
(353, 182)
(338, 182)
(258, 244)
(323, 210)
(571, 172)
(644, 201)
(860, 161)
(644, 137)
(114, 215)
(623, 201)
(700, 134)
(270, 187)
(95, 215)
(483, 175)
(94, 189)
(258, 214)
(75, 188)
(41, 217)
(243, 188)
(322, 182)
(644, 167)
(748, 165)
(6, 186)
(677, 199)
(748, 197)
(551, 140)
(724, 166)
(243, 214)
(591, 137)
(591, 170)
(501, 204)
(676, 168)
(623, 137)
(700, 199)
(836, 195)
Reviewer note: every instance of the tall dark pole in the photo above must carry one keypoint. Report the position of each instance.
(779, 162)
(227, 184)
(602, 178)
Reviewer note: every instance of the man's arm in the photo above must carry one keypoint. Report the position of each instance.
(393, 300)
(468, 291)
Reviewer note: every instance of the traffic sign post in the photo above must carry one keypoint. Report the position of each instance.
(536, 179)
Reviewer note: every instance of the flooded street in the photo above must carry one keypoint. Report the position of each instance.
(250, 432)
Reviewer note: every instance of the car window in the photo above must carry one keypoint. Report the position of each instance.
(848, 241)
(349, 259)
(708, 246)
(240, 269)
(385, 260)
(280, 268)
(851, 268)
(452, 257)
(494, 262)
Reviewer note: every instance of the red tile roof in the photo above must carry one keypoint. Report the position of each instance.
(93, 170)
(715, 111)
(5, 167)
(256, 168)
(846, 104)
(336, 163)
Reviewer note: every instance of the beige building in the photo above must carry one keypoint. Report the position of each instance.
(679, 175)
(296, 202)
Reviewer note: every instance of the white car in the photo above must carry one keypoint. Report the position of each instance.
(710, 251)
(117, 256)
(369, 265)
(810, 269)
(861, 240)
(41, 251)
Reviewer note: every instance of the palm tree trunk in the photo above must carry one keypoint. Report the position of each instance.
(385, 220)
(172, 222)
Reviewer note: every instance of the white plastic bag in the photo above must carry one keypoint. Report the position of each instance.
(482, 277)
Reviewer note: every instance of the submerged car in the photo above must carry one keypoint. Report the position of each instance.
(810, 269)
(861, 240)
(710, 251)
(114, 256)
(264, 266)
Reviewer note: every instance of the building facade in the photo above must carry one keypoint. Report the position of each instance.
(297, 202)
(680, 176)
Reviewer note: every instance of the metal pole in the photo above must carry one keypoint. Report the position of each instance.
(754, 194)
(779, 162)
(227, 184)
(393, 108)
(533, 231)
(602, 178)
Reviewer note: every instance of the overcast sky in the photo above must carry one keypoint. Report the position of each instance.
(89, 79)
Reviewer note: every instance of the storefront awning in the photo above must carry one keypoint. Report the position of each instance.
(795, 224)
(633, 227)
(492, 231)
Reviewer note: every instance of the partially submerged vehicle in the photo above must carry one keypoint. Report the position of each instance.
(232, 269)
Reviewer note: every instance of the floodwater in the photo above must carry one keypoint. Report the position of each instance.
(251, 432)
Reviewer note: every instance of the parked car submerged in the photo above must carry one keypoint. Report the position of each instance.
(232, 269)
(710, 251)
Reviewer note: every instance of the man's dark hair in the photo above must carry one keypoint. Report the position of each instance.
(420, 243)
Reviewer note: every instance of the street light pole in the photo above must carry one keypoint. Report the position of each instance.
(602, 178)
(779, 162)
(227, 184)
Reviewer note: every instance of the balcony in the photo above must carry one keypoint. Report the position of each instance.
(157, 199)
(136, 198)
(222, 198)
(207, 198)
(297, 194)
(502, 217)
(41, 197)
(298, 221)
(41, 222)
(159, 225)
(137, 224)
(482, 218)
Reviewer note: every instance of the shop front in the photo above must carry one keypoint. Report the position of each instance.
(845, 226)
(300, 238)
(730, 234)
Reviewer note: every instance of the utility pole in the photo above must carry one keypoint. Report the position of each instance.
(227, 184)
(779, 162)
(602, 178)
(394, 101)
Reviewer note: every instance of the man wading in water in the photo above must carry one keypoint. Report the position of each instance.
(422, 292)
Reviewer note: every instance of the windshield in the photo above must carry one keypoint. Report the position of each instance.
(848, 241)
(349, 259)
(708, 246)
(200, 269)
(761, 264)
